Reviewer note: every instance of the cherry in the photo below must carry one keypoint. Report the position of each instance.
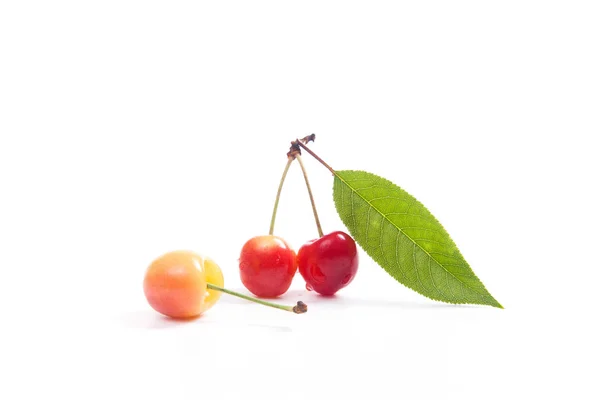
(184, 284)
(329, 263)
(267, 265)
(175, 284)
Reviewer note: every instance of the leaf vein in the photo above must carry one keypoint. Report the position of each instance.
(415, 266)
(433, 280)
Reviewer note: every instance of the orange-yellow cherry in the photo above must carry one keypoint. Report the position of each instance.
(176, 284)
(183, 284)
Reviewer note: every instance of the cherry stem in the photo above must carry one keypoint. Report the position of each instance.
(285, 171)
(310, 194)
(312, 153)
(299, 308)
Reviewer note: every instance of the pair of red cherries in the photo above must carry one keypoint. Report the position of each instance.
(327, 264)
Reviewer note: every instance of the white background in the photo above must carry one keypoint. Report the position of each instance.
(131, 128)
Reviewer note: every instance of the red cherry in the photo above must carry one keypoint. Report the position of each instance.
(267, 266)
(329, 263)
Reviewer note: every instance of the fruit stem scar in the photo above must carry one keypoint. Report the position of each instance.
(285, 171)
(312, 153)
(299, 308)
(310, 194)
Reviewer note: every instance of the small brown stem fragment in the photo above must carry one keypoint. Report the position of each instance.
(300, 308)
(309, 138)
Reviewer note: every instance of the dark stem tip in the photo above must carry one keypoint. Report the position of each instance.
(300, 308)
(309, 138)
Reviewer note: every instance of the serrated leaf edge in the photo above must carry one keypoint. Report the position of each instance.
(494, 302)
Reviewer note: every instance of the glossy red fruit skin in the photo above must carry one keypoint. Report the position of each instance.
(329, 263)
(267, 266)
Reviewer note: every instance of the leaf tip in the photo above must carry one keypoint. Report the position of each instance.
(496, 304)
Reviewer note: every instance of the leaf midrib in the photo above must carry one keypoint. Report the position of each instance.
(405, 235)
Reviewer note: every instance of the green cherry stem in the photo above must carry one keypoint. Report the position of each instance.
(299, 308)
(285, 171)
(310, 194)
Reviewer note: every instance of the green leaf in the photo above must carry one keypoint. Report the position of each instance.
(404, 238)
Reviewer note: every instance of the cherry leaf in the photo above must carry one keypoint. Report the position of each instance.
(404, 238)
